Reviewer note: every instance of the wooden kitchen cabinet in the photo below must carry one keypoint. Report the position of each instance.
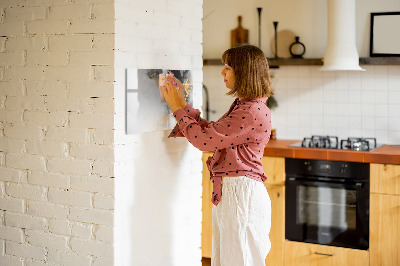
(385, 178)
(277, 233)
(274, 168)
(206, 225)
(384, 237)
(305, 254)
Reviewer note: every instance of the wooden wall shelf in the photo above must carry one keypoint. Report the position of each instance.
(274, 63)
(295, 62)
(380, 61)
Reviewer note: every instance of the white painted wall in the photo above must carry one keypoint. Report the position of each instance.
(344, 103)
(56, 132)
(305, 18)
(158, 180)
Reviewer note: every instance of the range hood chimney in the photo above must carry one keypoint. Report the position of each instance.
(341, 51)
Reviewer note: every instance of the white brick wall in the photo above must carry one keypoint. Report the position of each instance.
(68, 258)
(62, 141)
(156, 177)
(56, 132)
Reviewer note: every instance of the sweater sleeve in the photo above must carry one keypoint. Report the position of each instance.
(193, 113)
(231, 130)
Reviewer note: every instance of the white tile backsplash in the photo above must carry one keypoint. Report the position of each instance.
(345, 103)
(292, 82)
(291, 71)
(368, 123)
(381, 97)
(382, 110)
(380, 71)
(394, 137)
(381, 122)
(381, 83)
(394, 124)
(382, 136)
(394, 97)
(394, 82)
(367, 97)
(342, 123)
(394, 110)
(368, 110)
(393, 71)
(304, 82)
(354, 80)
(342, 109)
(329, 109)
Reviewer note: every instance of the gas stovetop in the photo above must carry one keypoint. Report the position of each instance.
(332, 142)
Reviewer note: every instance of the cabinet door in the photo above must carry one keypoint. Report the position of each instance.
(304, 254)
(277, 233)
(206, 226)
(385, 178)
(274, 168)
(384, 230)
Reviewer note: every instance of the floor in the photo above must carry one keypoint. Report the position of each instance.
(206, 261)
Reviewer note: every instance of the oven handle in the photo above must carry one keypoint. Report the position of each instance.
(357, 185)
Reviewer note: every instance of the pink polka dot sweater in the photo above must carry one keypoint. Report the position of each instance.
(238, 139)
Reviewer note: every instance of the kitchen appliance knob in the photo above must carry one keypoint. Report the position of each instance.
(343, 168)
(308, 166)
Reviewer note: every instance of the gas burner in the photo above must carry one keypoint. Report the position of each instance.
(327, 142)
(332, 142)
(358, 144)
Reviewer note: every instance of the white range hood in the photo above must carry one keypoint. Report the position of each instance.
(341, 51)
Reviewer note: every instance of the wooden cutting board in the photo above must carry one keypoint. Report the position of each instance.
(239, 35)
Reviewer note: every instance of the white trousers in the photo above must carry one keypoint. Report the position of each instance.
(241, 223)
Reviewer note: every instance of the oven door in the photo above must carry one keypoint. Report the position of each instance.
(327, 213)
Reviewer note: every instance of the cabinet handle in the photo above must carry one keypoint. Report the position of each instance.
(324, 254)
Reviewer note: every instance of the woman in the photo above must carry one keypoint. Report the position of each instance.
(242, 208)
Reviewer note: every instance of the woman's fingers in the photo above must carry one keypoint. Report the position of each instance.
(180, 90)
(169, 92)
(163, 89)
(179, 86)
(176, 82)
(170, 87)
(171, 96)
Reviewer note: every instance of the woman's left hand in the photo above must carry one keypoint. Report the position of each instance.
(171, 95)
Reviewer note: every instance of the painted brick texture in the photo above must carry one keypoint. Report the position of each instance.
(62, 140)
(157, 180)
(56, 132)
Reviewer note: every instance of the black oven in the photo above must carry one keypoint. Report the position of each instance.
(327, 202)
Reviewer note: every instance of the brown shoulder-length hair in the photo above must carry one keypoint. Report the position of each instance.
(250, 66)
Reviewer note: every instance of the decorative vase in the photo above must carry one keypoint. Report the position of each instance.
(297, 49)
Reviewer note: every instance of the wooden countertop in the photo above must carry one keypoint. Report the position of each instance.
(389, 154)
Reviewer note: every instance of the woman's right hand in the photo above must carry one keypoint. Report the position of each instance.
(181, 90)
(170, 92)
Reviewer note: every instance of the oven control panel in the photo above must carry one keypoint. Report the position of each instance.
(337, 169)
